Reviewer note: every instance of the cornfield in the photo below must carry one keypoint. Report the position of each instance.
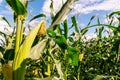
(55, 53)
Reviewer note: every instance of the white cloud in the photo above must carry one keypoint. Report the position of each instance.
(82, 25)
(92, 5)
(5, 8)
(34, 23)
(4, 27)
(56, 3)
(85, 7)
(6, 12)
(1, 1)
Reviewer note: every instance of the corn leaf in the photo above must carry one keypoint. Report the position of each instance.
(35, 52)
(61, 41)
(38, 16)
(62, 14)
(19, 60)
(91, 19)
(100, 77)
(24, 2)
(98, 21)
(113, 13)
(74, 23)
(17, 7)
(84, 30)
(100, 32)
(73, 54)
(51, 33)
(66, 27)
(59, 30)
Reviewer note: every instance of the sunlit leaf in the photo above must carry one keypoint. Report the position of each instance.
(19, 71)
(62, 14)
(36, 51)
(24, 2)
(100, 77)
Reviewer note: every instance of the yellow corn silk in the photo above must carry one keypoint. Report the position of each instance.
(42, 30)
(7, 71)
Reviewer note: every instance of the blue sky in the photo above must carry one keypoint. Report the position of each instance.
(84, 8)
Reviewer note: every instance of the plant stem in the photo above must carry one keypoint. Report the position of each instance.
(78, 75)
(22, 30)
(18, 29)
(48, 67)
(17, 45)
(66, 68)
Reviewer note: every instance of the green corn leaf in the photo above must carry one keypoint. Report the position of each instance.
(51, 33)
(17, 7)
(100, 32)
(75, 59)
(59, 30)
(73, 53)
(37, 16)
(84, 30)
(91, 19)
(61, 41)
(62, 14)
(116, 12)
(74, 23)
(66, 27)
(19, 60)
(98, 21)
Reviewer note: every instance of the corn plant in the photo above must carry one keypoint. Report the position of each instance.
(22, 48)
(56, 53)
